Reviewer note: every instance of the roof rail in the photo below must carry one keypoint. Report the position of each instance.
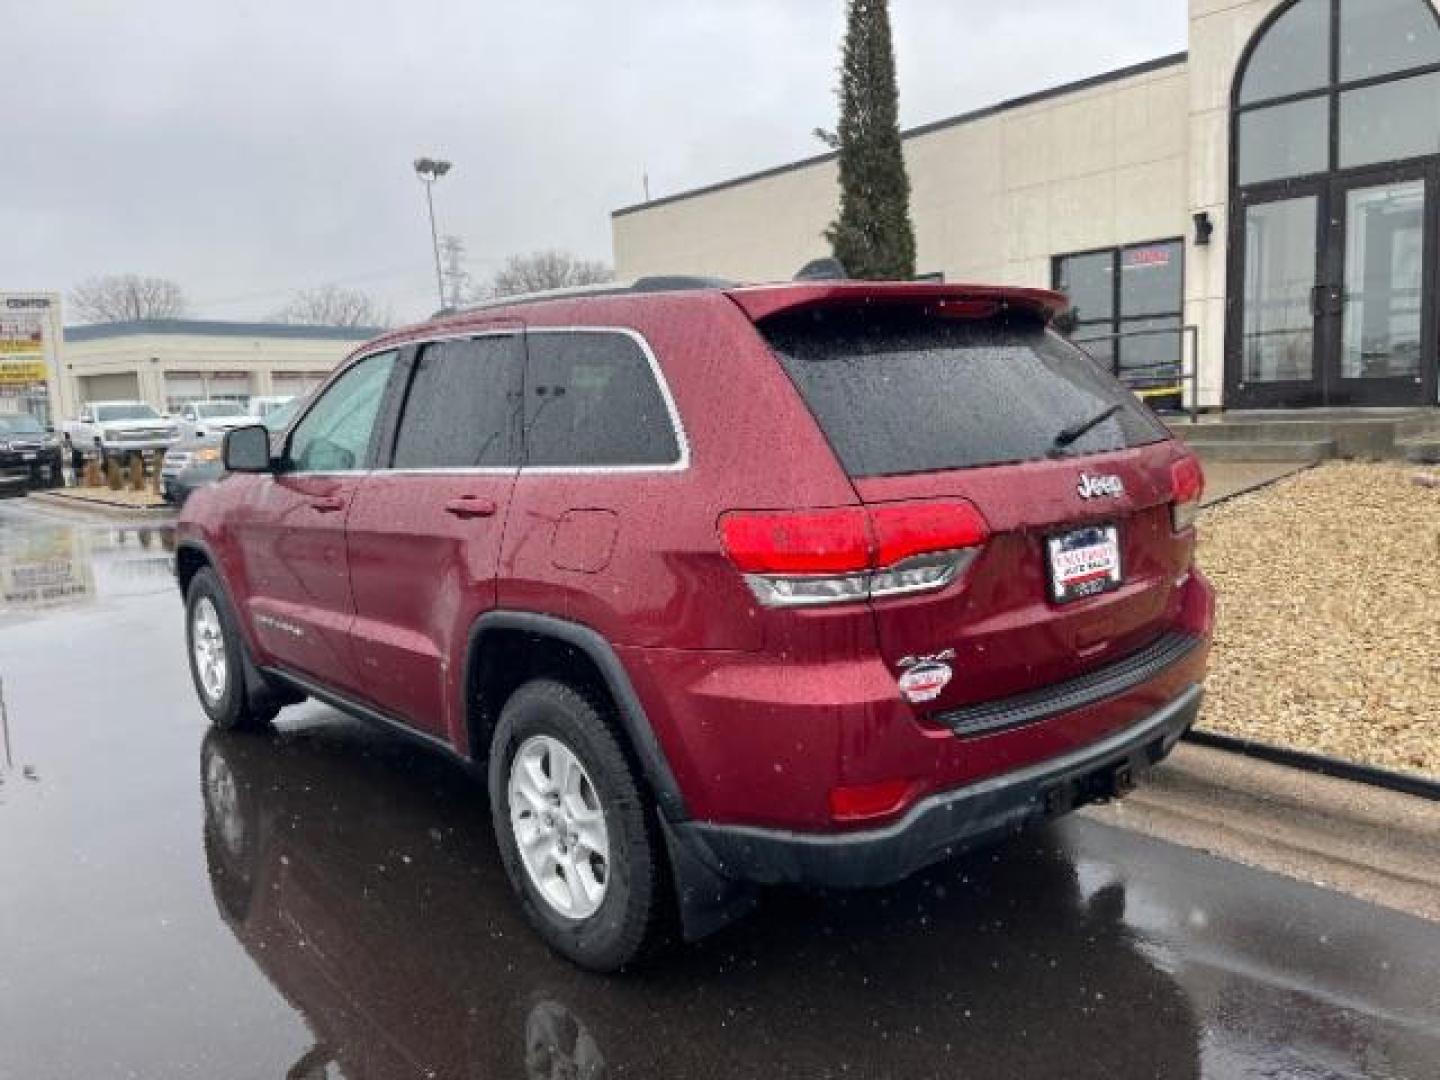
(650, 284)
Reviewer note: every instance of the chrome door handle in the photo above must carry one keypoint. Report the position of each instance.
(469, 506)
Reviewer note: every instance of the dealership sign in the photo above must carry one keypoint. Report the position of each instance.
(24, 351)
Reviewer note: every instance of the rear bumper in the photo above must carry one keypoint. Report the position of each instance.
(942, 824)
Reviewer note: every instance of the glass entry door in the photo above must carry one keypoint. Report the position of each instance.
(1274, 357)
(1375, 302)
(1336, 293)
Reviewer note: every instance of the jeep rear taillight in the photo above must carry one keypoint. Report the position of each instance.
(1187, 484)
(807, 557)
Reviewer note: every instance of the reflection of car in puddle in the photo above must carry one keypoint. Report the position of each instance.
(360, 877)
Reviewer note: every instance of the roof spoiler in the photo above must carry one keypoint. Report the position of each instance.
(761, 302)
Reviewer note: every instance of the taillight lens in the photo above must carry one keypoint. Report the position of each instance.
(806, 557)
(903, 530)
(806, 542)
(1187, 484)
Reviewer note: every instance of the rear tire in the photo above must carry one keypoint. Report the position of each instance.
(600, 909)
(217, 658)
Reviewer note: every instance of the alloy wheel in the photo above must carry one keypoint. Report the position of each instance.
(559, 827)
(207, 642)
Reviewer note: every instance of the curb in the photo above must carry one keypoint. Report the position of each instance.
(1404, 783)
(94, 506)
(1259, 485)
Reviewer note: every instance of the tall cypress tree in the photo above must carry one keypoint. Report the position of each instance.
(873, 237)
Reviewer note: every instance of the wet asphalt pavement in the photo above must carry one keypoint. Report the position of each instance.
(327, 902)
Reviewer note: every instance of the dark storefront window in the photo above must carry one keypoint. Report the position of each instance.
(1126, 310)
(1336, 147)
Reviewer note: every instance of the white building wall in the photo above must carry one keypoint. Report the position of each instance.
(993, 198)
(150, 356)
(1219, 33)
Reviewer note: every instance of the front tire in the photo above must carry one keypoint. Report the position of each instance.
(217, 657)
(576, 833)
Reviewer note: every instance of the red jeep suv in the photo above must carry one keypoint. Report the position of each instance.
(722, 586)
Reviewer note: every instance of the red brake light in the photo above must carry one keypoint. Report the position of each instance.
(969, 309)
(903, 530)
(805, 542)
(842, 555)
(1187, 483)
(1187, 479)
(866, 801)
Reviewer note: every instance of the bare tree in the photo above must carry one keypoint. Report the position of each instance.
(331, 305)
(541, 270)
(127, 297)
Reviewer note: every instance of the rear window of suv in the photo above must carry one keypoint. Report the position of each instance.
(904, 391)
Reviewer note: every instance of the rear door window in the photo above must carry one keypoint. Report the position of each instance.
(592, 399)
(461, 410)
(904, 391)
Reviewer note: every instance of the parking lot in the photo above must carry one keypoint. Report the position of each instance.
(327, 901)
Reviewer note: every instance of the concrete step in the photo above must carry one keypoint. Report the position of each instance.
(1366, 434)
(1262, 449)
(1421, 424)
(1421, 449)
(1260, 430)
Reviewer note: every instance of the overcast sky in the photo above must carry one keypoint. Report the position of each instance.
(248, 150)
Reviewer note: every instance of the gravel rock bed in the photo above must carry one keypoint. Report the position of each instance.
(1328, 634)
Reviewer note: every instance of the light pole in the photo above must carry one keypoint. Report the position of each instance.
(429, 170)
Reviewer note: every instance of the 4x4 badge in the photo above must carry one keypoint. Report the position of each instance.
(925, 676)
(1094, 487)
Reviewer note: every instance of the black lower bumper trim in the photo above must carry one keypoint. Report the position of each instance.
(944, 824)
(1110, 681)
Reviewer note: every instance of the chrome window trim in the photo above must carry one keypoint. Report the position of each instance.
(677, 426)
(454, 470)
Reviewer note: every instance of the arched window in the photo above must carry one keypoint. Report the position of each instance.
(1328, 85)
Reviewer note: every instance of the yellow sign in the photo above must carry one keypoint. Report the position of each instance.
(21, 372)
(14, 343)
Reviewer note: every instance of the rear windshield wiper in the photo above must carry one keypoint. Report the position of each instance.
(1069, 434)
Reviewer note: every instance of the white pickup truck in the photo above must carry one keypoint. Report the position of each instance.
(116, 428)
(201, 418)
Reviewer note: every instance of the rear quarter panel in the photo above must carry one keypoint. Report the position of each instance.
(752, 443)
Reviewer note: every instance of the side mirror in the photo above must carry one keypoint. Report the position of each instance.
(247, 449)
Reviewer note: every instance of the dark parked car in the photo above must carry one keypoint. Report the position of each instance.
(30, 455)
(725, 586)
(191, 463)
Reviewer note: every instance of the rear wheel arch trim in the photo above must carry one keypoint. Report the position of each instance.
(629, 711)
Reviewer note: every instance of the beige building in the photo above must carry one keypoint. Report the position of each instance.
(170, 362)
(1273, 190)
